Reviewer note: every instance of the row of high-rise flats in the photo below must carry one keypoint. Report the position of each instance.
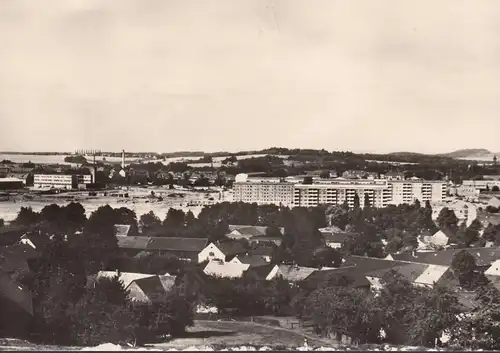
(292, 192)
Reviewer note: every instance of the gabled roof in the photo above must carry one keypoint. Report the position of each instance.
(152, 288)
(230, 248)
(225, 269)
(37, 240)
(167, 281)
(357, 279)
(125, 277)
(177, 244)
(446, 231)
(337, 237)
(294, 273)
(420, 273)
(483, 256)
(330, 230)
(252, 260)
(260, 273)
(122, 229)
(161, 243)
(494, 269)
(125, 242)
(262, 251)
(251, 231)
(12, 261)
(14, 292)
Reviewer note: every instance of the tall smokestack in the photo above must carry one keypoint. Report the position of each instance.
(123, 159)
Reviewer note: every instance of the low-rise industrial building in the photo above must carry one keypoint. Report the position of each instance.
(11, 183)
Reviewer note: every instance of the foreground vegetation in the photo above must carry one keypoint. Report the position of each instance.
(69, 311)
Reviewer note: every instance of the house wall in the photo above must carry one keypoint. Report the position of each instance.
(334, 244)
(211, 252)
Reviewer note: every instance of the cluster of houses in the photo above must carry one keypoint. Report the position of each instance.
(247, 250)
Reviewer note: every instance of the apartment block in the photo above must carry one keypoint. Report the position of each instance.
(407, 191)
(335, 192)
(264, 192)
(379, 193)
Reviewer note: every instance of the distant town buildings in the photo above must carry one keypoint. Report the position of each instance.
(379, 193)
(481, 185)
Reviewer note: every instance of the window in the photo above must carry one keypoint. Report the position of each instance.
(211, 253)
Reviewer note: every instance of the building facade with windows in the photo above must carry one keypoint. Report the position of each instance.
(61, 181)
(379, 193)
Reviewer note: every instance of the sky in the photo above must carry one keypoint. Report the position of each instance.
(230, 75)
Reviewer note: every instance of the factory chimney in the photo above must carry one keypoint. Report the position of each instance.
(123, 159)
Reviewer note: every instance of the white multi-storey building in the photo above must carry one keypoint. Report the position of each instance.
(380, 193)
(407, 191)
(61, 181)
(58, 181)
(264, 192)
(336, 192)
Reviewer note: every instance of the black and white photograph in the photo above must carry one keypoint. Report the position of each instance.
(249, 175)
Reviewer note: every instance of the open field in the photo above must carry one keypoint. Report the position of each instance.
(234, 333)
(139, 200)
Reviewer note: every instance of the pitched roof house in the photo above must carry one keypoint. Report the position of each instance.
(291, 273)
(493, 274)
(374, 269)
(122, 229)
(251, 260)
(16, 307)
(440, 238)
(125, 277)
(355, 279)
(13, 292)
(253, 234)
(218, 268)
(184, 248)
(223, 251)
(147, 290)
(484, 256)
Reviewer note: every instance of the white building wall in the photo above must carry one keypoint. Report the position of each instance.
(335, 192)
(63, 181)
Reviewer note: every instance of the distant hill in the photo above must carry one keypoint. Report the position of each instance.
(406, 154)
(469, 153)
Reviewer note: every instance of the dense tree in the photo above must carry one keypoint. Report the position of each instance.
(2, 222)
(414, 315)
(124, 215)
(107, 316)
(98, 242)
(356, 201)
(447, 219)
(465, 268)
(479, 329)
(149, 221)
(364, 242)
(342, 310)
(492, 233)
(338, 216)
(27, 217)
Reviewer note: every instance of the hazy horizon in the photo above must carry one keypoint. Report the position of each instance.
(234, 75)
